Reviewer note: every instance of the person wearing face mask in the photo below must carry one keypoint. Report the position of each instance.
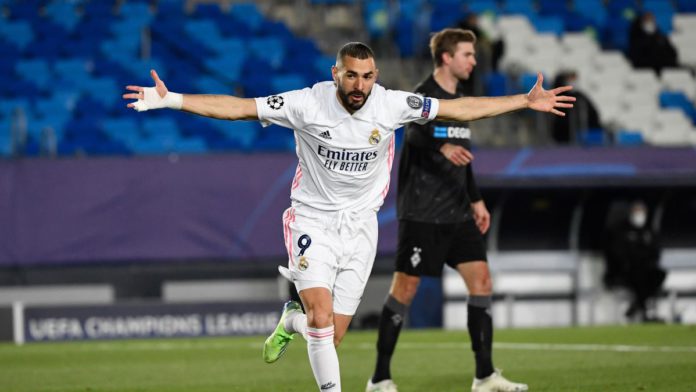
(648, 46)
(632, 255)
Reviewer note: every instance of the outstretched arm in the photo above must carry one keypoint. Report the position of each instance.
(474, 108)
(224, 107)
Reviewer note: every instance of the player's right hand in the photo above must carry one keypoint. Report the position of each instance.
(152, 97)
(458, 155)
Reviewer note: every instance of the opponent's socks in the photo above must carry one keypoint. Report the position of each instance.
(480, 325)
(390, 323)
(323, 358)
(296, 322)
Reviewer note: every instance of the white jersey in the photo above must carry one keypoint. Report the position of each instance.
(344, 160)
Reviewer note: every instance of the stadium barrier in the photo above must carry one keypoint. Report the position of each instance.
(530, 288)
(141, 320)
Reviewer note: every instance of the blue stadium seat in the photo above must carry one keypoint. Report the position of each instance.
(621, 7)
(527, 81)
(248, 15)
(548, 24)
(593, 137)
(5, 139)
(628, 138)
(136, 14)
(275, 138)
(523, 7)
(286, 82)
(35, 71)
(481, 6)
(227, 68)
(496, 84)
(687, 6)
(673, 99)
(191, 145)
(164, 129)
(9, 106)
(19, 33)
(242, 133)
(210, 85)
(270, 50)
(594, 10)
(553, 7)
(376, 18)
(63, 13)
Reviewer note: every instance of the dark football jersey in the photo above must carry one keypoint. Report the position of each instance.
(431, 188)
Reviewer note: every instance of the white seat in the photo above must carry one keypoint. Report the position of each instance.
(514, 25)
(669, 128)
(608, 105)
(579, 42)
(642, 80)
(685, 44)
(547, 64)
(611, 61)
(684, 22)
(636, 120)
(679, 79)
(642, 100)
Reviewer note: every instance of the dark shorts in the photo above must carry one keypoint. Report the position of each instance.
(424, 248)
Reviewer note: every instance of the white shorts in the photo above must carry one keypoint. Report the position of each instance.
(335, 250)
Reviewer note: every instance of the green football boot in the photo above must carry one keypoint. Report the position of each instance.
(278, 341)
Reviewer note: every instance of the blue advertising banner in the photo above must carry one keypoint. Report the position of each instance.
(149, 320)
(229, 207)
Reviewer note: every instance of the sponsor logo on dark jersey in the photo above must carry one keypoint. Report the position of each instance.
(452, 133)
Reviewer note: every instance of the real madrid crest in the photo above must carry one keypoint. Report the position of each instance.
(303, 263)
(375, 137)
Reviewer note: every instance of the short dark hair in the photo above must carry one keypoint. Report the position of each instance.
(356, 50)
(445, 41)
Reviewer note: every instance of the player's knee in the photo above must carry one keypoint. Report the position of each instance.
(405, 288)
(482, 286)
(318, 318)
(338, 338)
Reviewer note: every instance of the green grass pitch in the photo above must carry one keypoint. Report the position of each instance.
(598, 359)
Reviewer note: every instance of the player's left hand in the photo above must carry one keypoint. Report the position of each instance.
(549, 100)
(458, 155)
(481, 216)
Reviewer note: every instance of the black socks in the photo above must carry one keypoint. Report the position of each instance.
(390, 323)
(480, 326)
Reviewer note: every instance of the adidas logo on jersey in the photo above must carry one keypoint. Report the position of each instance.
(325, 135)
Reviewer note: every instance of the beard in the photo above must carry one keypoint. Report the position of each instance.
(345, 99)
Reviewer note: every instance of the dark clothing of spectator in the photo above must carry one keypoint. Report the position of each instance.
(632, 255)
(584, 115)
(649, 47)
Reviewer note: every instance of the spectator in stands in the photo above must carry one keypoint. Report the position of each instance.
(344, 131)
(582, 118)
(632, 255)
(648, 47)
(489, 47)
(442, 219)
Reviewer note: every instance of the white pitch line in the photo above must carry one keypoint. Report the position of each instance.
(544, 347)
(225, 345)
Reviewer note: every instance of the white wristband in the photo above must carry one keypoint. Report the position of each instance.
(152, 100)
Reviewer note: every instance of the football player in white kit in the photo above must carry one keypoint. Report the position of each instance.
(344, 130)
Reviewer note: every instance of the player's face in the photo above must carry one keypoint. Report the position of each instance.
(463, 61)
(354, 80)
